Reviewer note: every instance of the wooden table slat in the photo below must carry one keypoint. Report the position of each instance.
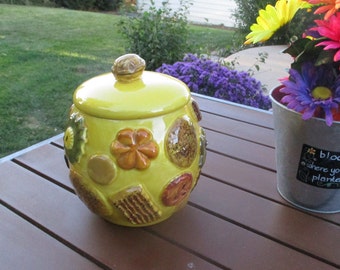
(241, 175)
(318, 237)
(235, 111)
(60, 142)
(54, 169)
(238, 129)
(246, 151)
(23, 246)
(232, 245)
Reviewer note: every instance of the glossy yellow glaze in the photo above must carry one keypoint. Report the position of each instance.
(134, 147)
(152, 95)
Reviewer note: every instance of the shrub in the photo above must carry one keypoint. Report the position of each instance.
(76, 4)
(158, 35)
(48, 3)
(209, 78)
(107, 4)
(89, 4)
(71, 4)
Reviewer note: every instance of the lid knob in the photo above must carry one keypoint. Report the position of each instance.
(128, 67)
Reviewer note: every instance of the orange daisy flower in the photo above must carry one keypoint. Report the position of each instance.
(329, 7)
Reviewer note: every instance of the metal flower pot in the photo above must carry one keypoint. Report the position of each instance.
(307, 158)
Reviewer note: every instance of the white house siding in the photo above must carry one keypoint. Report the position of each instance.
(214, 12)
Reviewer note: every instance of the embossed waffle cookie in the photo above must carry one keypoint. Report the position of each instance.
(136, 206)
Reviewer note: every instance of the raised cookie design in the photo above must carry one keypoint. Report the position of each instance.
(203, 148)
(136, 206)
(101, 169)
(196, 109)
(181, 142)
(75, 137)
(134, 149)
(91, 197)
(177, 190)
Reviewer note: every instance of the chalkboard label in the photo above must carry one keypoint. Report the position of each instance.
(319, 167)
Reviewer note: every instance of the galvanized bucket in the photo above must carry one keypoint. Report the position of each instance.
(307, 159)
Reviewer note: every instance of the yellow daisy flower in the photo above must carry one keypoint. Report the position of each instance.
(273, 18)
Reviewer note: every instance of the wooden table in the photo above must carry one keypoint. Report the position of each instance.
(235, 218)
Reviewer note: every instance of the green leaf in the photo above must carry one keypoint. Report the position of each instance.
(297, 47)
(325, 57)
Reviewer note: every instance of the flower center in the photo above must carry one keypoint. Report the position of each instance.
(321, 92)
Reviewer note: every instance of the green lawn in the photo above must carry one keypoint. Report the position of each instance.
(45, 53)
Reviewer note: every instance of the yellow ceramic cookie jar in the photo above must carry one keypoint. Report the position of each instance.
(133, 144)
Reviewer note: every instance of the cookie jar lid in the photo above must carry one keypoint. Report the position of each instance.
(131, 93)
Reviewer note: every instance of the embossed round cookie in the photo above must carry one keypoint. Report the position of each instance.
(101, 169)
(177, 190)
(75, 137)
(90, 196)
(196, 109)
(181, 143)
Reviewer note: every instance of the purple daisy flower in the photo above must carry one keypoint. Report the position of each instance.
(312, 89)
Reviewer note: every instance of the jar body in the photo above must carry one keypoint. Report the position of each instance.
(135, 172)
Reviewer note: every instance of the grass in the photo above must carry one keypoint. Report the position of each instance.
(45, 53)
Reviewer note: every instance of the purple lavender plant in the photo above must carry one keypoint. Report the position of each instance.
(209, 78)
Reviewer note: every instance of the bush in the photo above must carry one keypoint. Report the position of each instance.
(71, 4)
(89, 4)
(46, 3)
(107, 4)
(76, 4)
(158, 35)
(209, 78)
(247, 12)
